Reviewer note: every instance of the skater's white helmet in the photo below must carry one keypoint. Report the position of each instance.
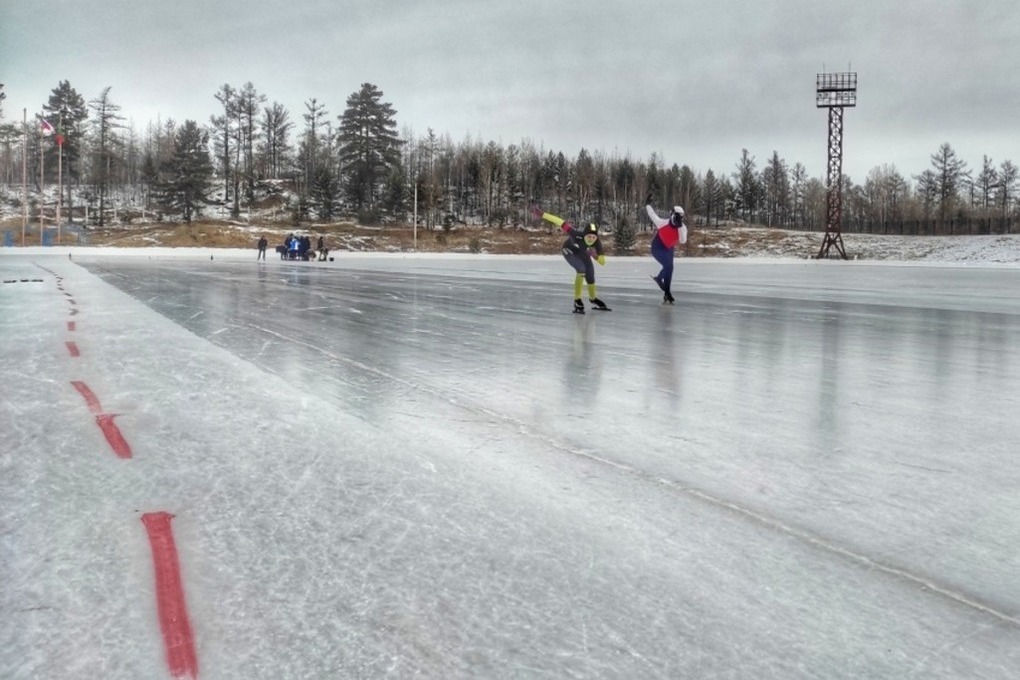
(677, 218)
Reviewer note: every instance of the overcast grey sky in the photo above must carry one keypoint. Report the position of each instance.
(694, 82)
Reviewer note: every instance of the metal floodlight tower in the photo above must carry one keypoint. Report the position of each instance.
(835, 91)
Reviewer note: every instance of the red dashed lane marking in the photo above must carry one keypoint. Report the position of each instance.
(173, 612)
(178, 640)
(90, 397)
(113, 435)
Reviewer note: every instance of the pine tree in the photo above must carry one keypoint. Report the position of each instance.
(105, 125)
(225, 127)
(689, 191)
(776, 185)
(249, 102)
(747, 187)
(324, 193)
(308, 151)
(624, 236)
(927, 191)
(369, 145)
(67, 110)
(1009, 179)
(186, 176)
(711, 192)
(275, 127)
(950, 173)
(985, 184)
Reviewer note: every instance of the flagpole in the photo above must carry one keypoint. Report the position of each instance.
(24, 174)
(60, 172)
(42, 186)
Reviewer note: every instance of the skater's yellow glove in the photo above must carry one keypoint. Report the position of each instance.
(553, 219)
(601, 259)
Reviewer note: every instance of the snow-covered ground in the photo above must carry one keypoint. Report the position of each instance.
(970, 249)
(764, 243)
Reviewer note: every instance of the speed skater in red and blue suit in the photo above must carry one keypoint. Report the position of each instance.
(669, 231)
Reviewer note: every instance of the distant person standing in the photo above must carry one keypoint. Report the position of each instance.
(668, 232)
(578, 249)
(263, 243)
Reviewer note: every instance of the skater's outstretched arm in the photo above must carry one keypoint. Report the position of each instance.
(654, 216)
(552, 219)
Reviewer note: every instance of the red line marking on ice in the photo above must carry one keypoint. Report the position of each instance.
(90, 397)
(113, 435)
(173, 613)
(70, 326)
(72, 347)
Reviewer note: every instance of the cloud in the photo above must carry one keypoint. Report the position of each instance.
(694, 82)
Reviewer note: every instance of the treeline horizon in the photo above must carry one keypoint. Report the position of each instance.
(355, 164)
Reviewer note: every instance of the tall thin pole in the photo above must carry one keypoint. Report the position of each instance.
(835, 91)
(42, 186)
(24, 174)
(60, 171)
(834, 187)
(416, 215)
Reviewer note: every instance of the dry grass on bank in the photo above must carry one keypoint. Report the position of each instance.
(348, 236)
(338, 236)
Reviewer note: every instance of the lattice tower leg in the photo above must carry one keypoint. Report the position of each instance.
(834, 186)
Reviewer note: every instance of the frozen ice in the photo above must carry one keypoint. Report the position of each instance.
(410, 466)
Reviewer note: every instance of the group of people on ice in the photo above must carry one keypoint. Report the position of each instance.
(583, 248)
(295, 248)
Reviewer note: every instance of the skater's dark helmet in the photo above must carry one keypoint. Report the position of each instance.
(592, 228)
(591, 234)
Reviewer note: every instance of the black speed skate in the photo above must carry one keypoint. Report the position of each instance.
(578, 307)
(667, 298)
(599, 305)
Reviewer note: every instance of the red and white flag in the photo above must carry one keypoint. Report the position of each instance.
(47, 127)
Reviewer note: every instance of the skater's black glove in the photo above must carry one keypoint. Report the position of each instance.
(648, 200)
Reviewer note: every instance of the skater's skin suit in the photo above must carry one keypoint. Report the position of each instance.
(668, 232)
(576, 251)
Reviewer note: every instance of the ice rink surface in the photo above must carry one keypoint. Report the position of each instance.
(410, 466)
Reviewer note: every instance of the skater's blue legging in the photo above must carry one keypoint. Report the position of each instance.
(663, 256)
